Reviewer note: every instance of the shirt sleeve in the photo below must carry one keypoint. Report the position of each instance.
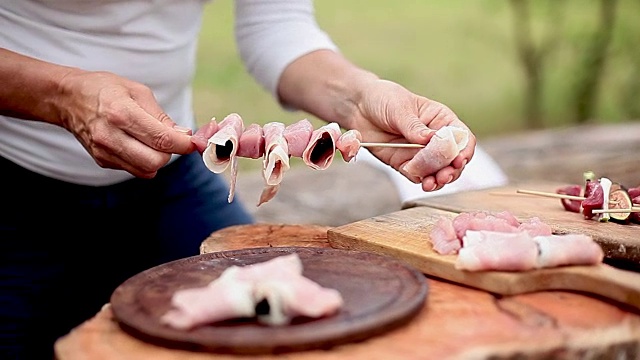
(271, 34)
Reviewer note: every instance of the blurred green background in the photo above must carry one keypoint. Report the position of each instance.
(462, 53)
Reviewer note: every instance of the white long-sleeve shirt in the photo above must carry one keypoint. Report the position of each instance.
(153, 42)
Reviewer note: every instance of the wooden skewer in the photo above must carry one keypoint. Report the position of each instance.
(391, 145)
(559, 196)
(551, 195)
(602, 211)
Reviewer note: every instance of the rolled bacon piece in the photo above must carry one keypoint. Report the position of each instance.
(321, 149)
(202, 135)
(567, 249)
(276, 159)
(493, 250)
(443, 147)
(239, 290)
(222, 299)
(298, 135)
(251, 143)
(349, 144)
(222, 149)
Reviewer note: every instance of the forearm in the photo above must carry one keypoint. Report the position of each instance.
(324, 84)
(29, 87)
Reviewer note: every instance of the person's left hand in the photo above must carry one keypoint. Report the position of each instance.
(387, 112)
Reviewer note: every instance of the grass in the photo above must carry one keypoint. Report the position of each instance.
(458, 52)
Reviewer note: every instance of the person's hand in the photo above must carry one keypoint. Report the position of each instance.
(120, 123)
(388, 112)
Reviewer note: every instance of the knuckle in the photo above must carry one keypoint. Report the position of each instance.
(163, 142)
(156, 162)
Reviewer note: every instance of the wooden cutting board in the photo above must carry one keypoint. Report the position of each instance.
(405, 235)
(379, 293)
(620, 242)
(455, 323)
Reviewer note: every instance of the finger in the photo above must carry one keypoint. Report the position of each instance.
(158, 130)
(466, 154)
(159, 134)
(121, 151)
(141, 167)
(429, 184)
(414, 130)
(445, 176)
(202, 135)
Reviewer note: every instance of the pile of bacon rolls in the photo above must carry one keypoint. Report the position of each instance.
(222, 143)
(483, 240)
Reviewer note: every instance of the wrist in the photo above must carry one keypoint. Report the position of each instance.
(326, 85)
(348, 92)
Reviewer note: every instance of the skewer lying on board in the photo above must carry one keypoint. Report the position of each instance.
(609, 211)
(390, 145)
(567, 197)
(552, 195)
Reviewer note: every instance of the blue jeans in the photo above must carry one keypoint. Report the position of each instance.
(64, 248)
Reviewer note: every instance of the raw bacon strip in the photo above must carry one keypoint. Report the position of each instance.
(202, 135)
(298, 135)
(568, 249)
(239, 290)
(492, 250)
(224, 298)
(276, 154)
(321, 149)
(443, 147)
(251, 143)
(535, 227)
(348, 144)
(268, 193)
(447, 234)
(480, 220)
(222, 148)
(276, 159)
(223, 145)
(289, 294)
(443, 237)
(295, 296)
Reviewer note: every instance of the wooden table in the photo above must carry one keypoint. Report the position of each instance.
(456, 322)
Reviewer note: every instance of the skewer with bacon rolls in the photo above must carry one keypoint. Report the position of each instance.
(221, 144)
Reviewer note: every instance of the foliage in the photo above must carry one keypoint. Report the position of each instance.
(459, 52)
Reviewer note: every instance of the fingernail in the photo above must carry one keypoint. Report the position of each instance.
(425, 132)
(181, 129)
(464, 163)
(450, 179)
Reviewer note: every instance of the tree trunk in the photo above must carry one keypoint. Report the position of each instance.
(591, 69)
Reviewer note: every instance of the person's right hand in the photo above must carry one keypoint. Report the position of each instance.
(119, 122)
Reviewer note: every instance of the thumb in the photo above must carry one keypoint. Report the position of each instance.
(415, 131)
(177, 139)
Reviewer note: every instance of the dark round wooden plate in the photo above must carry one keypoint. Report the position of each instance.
(379, 294)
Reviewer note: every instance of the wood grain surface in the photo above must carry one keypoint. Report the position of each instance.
(456, 322)
(405, 235)
(263, 235)
(620, 242)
